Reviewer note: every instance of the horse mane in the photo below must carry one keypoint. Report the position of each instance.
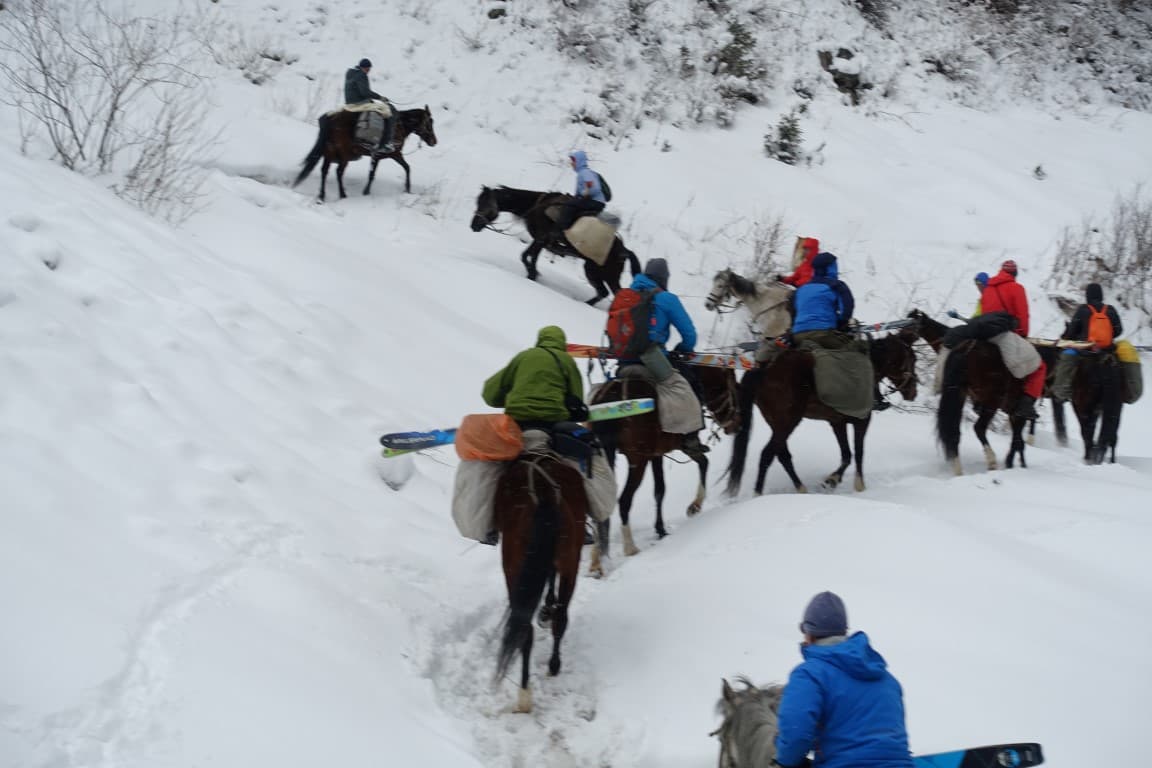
(742, 284)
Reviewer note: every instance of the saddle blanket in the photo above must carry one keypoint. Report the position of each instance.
(844, 380)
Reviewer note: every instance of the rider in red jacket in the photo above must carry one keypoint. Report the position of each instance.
(1004, 294)
(806, 250)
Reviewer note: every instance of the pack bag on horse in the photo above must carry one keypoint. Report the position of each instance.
(365, 127)
(1092, 321)
(541, 393)
(592, 239)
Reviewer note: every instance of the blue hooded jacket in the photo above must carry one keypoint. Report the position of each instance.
(824, 303)
(584, 176)
(843, 703)
(667, 312)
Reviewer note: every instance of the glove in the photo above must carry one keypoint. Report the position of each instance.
(953, 314)
(677, 355)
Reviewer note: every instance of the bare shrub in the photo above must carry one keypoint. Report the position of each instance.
(98, 84)
(1114, 251)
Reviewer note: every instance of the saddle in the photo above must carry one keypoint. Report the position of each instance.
(568, 439)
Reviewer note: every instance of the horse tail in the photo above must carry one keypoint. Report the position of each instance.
(534, 573)
(633, 262)
(951, 408)
(317, 149)
(749, 386)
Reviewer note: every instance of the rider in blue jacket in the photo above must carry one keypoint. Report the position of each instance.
(841, 703)
(589, 194)
(668, 313)
(824, 303)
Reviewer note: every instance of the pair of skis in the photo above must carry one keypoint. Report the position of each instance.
(1023, 755)
(400, 443)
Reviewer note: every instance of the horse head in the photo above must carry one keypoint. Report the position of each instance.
(721, 290)
(425, 127)
(895, 360)
(748, 733)
(487, 209)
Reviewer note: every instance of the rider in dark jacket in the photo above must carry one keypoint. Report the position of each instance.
(357, 91)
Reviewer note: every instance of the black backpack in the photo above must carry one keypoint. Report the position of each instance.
(607, 190)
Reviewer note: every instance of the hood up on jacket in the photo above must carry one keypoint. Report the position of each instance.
(1094, 294)
(580, 159)
(552, 337)
(824, 265)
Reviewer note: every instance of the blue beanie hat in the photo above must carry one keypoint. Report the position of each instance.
(825, 616)
(364, 63)
(982, 278)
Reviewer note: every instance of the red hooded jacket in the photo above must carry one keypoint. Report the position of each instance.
(1004, 294)
(803, 273)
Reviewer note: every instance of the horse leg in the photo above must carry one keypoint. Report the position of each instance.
(592, 273)
(600, 548)
(371, 174)
(560, 619)
(324, 176)
(1111, 402)
(766, 457)
(701, 489)
(987, 413)
(840, 429)
(1087, 431)
(658, 487)
(859, 431)
(407, 170)
(529, 257)
(343, 164)
(785, 457)
(1017, 445)
(546, 612)
(524, 696)
(636, 469)
(1058, 418)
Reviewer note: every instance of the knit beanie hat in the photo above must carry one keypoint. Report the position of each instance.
(657, 269)
(364, 63)
(1009, 267)
(825, 616)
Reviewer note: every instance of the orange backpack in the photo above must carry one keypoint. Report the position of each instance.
(1099, 326)
(629, 318)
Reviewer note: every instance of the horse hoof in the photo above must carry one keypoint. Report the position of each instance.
(832, 481)
(859, 484)
(1032, 440)
(661, 533)
(631, 549)
(524, 702)
(554, 666)
(801, 489)
(957, 467)
(693, 509)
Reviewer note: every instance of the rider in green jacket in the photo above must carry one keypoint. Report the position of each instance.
(532, 387)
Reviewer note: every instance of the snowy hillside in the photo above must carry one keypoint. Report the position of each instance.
(206, 562)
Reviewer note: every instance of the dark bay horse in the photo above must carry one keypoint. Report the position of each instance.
(540, 508)
(785, 392)
(933, 332)
(337, 143)
(644, 443)
(532, 208)
(974, 370)
(1098, 394)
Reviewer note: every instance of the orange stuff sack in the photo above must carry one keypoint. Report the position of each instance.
(489, 437)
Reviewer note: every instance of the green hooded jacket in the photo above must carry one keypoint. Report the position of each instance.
(532, 386)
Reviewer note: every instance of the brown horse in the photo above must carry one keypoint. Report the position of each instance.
(785, 393)
(974, 369)
(540, 510)
(933, 332)
(1098, 394)
(643, 442)
(337, 143)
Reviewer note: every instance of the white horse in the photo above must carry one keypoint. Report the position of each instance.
(748, 733)
(767, 301)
